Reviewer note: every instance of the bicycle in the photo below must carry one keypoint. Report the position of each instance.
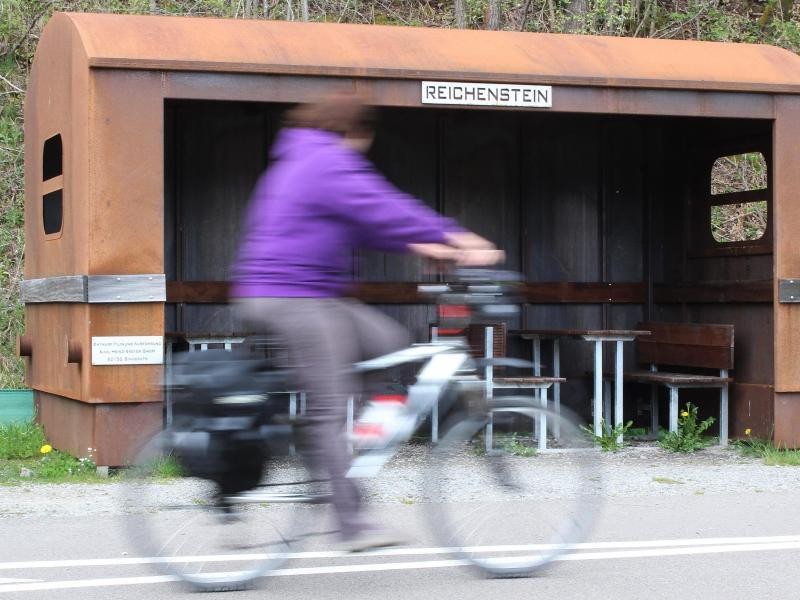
(227, 525)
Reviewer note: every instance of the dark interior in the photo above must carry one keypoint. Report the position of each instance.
(606, 216)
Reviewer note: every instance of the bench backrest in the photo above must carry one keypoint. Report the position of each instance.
(686, 345)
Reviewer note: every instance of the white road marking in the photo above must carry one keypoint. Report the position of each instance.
(644, 549)
(6, 580)
(405, 551)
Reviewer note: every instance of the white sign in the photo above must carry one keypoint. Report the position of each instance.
(487, 94)
(128, 350)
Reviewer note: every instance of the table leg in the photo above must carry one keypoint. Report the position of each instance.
(537, 372)
(618, 417)
(673, 409)
(557, 387)
(598, 386)
(543, 419)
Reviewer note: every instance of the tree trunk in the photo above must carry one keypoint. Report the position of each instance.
(461, 13)
(493, 15)
(576, 15)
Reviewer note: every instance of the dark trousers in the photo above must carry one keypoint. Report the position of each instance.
(324, 337)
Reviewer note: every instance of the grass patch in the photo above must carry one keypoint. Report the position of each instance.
(25, 456)
(772, 455)
(164, 467)
(21, 440)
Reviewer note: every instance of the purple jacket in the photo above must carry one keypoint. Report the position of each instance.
(315, 204)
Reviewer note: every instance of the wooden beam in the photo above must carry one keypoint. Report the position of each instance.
(216, 292)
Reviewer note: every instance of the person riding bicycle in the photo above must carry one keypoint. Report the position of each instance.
(318, 201)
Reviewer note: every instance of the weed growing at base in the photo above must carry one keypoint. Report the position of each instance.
(608, 440)
(689, 436)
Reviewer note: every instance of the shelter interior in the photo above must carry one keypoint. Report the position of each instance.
(608, 218)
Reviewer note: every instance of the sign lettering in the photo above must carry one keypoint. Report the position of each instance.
(128, 350)
(487, 94)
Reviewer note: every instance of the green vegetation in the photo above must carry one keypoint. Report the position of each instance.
(608, 440)
(516, 444)
(20, 440)
(21, 21)
(25, 455)
(689, 436)
(766, 449)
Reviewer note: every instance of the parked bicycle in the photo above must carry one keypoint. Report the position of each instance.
(235, 517)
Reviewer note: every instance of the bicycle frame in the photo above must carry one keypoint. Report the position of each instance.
(443, 361)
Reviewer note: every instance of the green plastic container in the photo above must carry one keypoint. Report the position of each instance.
(16, 405)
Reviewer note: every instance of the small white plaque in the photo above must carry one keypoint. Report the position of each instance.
(128, 350)
(487, 94)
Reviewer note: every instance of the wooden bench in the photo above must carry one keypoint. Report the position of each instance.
(686, 346)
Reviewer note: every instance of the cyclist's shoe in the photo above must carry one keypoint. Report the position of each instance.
(371, 539)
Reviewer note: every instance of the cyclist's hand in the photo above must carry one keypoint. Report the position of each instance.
(480, 258)
(437, 252)
(466, 240)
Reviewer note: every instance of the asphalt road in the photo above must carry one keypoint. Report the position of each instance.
(743, 545)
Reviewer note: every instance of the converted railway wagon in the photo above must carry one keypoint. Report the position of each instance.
(588, 159)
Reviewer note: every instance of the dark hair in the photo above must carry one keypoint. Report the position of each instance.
(344, 113)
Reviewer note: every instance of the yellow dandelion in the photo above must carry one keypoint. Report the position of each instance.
(46, 449)
(685, 413)
(747, 431)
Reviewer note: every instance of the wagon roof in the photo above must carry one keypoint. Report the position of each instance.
(375, 51)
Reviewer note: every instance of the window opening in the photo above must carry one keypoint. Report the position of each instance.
(53, 193)
(52, 158)
(738, 198)
(53, 212)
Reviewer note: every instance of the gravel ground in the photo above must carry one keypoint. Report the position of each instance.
(639, 470)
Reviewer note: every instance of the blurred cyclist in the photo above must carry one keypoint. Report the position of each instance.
(320, 199)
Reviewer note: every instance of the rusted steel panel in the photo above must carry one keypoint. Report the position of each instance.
(50, 328)
(787, 419)
(56, 104)
(406, 93)
(120, 430)
(123, 383)
(112, 432)
(127, 166)
(68, 424)
(169, 43)
(786, 219)
(751, 407)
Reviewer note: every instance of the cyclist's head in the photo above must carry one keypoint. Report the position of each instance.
(346, 114)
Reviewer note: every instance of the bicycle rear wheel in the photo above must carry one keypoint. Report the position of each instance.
(513, 510)
(187, 530)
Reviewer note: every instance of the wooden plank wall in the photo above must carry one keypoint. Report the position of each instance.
(571, 198)
(691, 147)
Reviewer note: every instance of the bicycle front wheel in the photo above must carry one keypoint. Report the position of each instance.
(186, 529)
(512, 510)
